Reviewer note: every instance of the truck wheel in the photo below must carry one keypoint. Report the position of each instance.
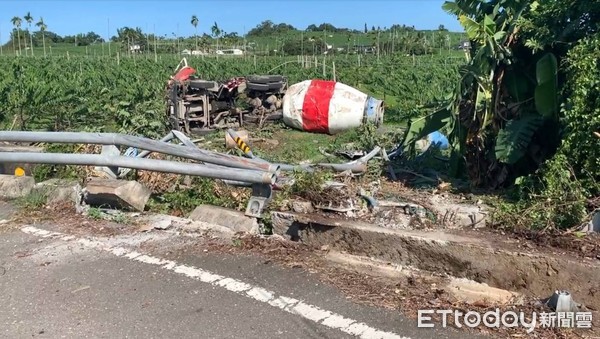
(257, 87)
(275, 85)
(202, 84)
(265, 79)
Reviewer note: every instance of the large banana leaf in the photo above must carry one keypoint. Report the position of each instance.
(471, 26)
(517, 85)
(515, 137)
(546, 92)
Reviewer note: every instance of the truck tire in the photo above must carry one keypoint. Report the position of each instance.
(202, 84)
(265, 79)
(257, 87)
(275, 85)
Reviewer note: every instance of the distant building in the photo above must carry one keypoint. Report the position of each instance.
(135, 48)
(464, 45)
(233, 51)
(364, 49)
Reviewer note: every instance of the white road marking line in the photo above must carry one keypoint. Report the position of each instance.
(290, 305)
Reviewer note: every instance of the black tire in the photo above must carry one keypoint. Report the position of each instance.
(202, 84)
(257, 87)
(276, 85)
(265, 79)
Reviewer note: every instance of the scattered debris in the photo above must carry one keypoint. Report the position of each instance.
(230, 140)
(473, 292)
(460, 214)
(240, 143)
(149, 221)
(594, 224)
(356, 166)
(562, 301)
(225, 217)
(460, 289)
(302, 206)
(162, 224)
(340, 207)
(373, 205)
(407, 207)
(351, 154)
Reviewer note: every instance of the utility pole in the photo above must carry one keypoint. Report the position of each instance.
(147, 42)
(325, 37)
(108, 34)
(155, 55)
(378, 33)
(302, 42)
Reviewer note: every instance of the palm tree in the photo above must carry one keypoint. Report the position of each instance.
(216, 31)
(16, 21)
(29, 20)
(194, 23)
(42, 25)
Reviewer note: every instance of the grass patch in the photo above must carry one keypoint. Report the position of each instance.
(183, 200)
(95, 213)
(552, 198)
(33, 201)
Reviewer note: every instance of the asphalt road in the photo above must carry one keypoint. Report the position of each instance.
(56, 286)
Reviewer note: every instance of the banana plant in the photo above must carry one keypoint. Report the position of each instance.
(497, 105)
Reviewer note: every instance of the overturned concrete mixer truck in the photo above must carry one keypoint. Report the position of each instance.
(318, 106)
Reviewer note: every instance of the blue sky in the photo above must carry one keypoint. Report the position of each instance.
(71, 17)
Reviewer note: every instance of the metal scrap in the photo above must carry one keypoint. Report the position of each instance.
(408, 208)
(373, 205)
(351, 154)
(330, 207)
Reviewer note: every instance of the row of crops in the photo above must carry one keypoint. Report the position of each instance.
(126, 95)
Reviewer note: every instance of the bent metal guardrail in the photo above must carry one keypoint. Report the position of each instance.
(260, 175)
(250, 176)
(140, 143)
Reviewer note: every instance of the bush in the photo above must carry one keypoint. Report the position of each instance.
(582, 112)
(550, 198)
(557, 194)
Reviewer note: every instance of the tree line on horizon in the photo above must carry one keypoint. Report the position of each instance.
(289, 39)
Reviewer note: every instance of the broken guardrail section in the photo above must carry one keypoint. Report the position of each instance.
(248, 171)
(261, 175)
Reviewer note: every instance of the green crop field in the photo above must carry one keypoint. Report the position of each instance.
(127, 94)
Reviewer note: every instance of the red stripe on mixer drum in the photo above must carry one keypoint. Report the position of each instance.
(315, 108)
